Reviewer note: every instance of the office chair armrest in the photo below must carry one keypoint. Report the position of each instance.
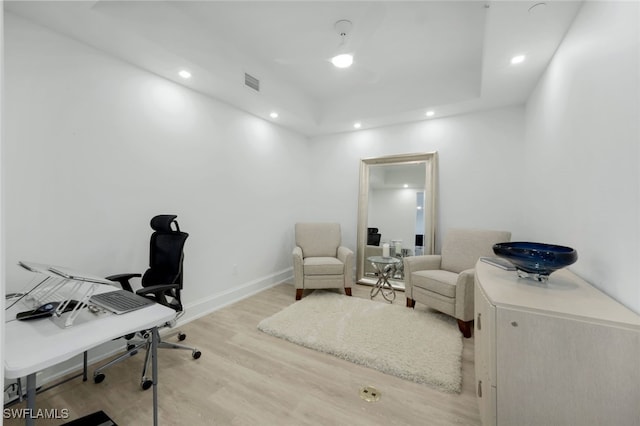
(123, 279)
(157, 289)
(159, 295)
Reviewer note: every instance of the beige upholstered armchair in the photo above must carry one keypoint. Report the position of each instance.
(319, 261)
(445, 281)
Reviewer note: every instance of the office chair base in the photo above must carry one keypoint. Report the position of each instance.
(145, 382)
(169, 345)
(132, 349)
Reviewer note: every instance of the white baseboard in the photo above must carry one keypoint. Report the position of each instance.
(220, 300)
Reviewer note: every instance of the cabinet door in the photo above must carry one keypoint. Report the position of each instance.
(563, 371)
(484, 351)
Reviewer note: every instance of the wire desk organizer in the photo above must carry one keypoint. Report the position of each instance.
(71, 291)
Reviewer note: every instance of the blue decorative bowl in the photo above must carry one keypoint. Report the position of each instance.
(536, 260)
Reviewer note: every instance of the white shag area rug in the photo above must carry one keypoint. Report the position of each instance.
(420, 346)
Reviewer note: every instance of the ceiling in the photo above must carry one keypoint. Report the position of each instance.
(450, 57)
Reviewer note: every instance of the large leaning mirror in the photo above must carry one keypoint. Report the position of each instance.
(396, 211)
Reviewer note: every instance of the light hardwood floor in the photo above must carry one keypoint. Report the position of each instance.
(246, 377)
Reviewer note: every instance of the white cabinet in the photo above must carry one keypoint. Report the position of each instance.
(560, 353)
(485, 314)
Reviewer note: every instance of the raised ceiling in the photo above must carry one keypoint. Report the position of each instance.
(451, 57)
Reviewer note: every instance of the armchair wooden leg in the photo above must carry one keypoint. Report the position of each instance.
(298, 293)
(411, 303)
(347, 291)
(466, 327)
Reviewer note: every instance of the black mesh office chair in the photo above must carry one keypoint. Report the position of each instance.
(162, 282)
(373, 237)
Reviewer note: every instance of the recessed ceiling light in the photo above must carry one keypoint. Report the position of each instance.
(357, 125)
(273, 115)
(184, 74)
(517, 59)
(406, 185)
(430, 113)
(342, 61)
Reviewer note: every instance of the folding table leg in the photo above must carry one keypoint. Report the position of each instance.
(31, 399)
(155, 337)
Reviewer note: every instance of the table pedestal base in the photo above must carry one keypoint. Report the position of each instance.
(383, 286)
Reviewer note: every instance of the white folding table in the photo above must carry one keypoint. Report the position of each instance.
(31, 346)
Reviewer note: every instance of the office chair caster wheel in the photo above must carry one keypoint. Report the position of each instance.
(98, 378)
(181, 336)
(146, 384)
(196, 354)
(129, 347)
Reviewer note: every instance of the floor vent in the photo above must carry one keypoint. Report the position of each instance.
(370, 394)
(252, 82)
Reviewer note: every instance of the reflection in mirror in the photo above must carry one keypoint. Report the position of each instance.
(396, 211)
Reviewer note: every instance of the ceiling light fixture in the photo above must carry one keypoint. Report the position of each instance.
(357, 125)
(517, 59)
(184, 74)
(343, 60)
(273, 115)
(406, 185)
(430, 114)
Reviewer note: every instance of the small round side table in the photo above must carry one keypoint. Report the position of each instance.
(384, 267)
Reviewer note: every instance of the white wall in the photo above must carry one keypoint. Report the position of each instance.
(95, 147)
(583, 186)
(393, 212)
(480, 156)
(2, 228)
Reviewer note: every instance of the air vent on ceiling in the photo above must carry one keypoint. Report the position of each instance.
(252, 82)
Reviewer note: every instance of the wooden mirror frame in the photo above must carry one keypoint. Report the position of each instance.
(430, 160)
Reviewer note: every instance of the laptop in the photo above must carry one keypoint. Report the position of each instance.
(120, 301)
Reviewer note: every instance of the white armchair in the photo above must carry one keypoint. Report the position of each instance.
(319, 260)
(445, 281)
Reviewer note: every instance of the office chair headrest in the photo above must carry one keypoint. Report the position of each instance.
(163, 223)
